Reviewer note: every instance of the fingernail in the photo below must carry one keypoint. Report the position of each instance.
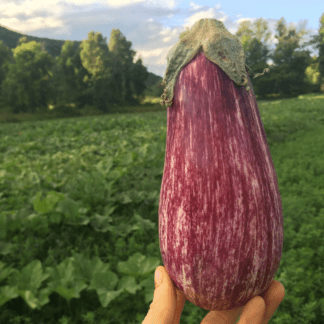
(158, 277)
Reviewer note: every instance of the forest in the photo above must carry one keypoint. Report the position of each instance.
(105, 76)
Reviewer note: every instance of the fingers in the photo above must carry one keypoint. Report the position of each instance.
(222, 317)
(163, 307)
(260, 309)
(254, 311)
(176, 299)
(273, 298)
(181, 299)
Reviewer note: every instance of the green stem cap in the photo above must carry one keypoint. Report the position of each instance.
(218, 45)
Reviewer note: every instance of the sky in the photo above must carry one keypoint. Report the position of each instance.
(153, 26)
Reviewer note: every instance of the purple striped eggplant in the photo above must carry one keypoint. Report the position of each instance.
(220, 212)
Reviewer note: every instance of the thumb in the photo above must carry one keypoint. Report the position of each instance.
(162, 309)
(158, 277)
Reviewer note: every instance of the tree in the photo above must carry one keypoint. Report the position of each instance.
(26, 82)
(247, 32)
(123, 60)
(88, 74)
(313, 75)
(254, 39)
(290, 64)
(288, 74)
(288, 42)
(68, 76)
(318, 42)
(118, 69)
(6, 58)
(138, 78)
(95, 57)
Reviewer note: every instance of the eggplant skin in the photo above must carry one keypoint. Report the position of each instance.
(220, 211)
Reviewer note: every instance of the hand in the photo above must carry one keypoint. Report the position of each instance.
(168, 304)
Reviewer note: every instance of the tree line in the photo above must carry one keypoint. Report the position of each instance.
(294, 71)
(98, 74)
(104, 75)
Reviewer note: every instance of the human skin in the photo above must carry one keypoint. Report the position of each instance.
(168, 303)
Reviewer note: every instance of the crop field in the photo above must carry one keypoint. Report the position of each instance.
(79, 204)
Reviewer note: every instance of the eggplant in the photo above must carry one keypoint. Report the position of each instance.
(220, 211)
